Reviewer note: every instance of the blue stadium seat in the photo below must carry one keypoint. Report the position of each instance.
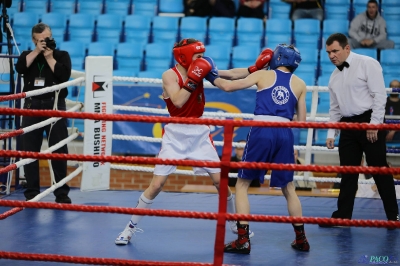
(22, 25)
(307, 32)
(242, 56)
(389, 61)
(58, 25)
(129, 57)
(144, 8)
(36, 6)
(278, 31)
(165, 29)
(67, 7)
(101, 49)
(137, 28)
(359, 6)
(221, 30)
(81, 27)
(326, 67)
(390, 10)
(109, 28)
(194, 27)
(150, 74)
(323, 80)
(171, 6)
(118, 7)
(278, 10)
(323, 103)
(123, 73)
(307, 74)
(16, 6)
(153, 74)
(249, 31)
(158, 57)
(221, 54)
(92, 7)
(367, 51)
(334, 9)
(320, 136)
(303, 136)
(24, 45)
(331, 26)
(77, 52)
(393, 32)
(388, 78)
(309, 64)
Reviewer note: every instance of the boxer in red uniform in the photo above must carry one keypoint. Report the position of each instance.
(183, 93)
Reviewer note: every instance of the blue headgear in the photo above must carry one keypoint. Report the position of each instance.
(285, 55)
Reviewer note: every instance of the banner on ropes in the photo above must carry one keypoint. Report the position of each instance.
(98, 133)
(151, 96)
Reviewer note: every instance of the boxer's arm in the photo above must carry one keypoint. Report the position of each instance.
(235, 73)
(240, 84)
(172, 89)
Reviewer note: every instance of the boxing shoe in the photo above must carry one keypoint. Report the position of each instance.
(242, 244)
(125, 236)
(233, 226)
(301, 242)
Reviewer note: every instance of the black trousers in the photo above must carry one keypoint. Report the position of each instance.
(352, 145)
(32, 141)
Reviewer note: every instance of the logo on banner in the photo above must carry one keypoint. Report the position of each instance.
(99, 86)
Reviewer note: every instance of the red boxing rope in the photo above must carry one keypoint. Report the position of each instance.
(96, 261)
(196, 121)
(200, 215)
(236, 165)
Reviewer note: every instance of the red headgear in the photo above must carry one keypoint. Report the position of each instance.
(184, 54)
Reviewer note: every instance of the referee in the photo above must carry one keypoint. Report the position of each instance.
(358, 95)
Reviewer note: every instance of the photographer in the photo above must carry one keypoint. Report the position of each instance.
(44, 67)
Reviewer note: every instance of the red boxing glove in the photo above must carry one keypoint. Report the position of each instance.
(197, 70)
(262, 60)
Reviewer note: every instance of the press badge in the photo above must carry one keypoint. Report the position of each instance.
(39, 82)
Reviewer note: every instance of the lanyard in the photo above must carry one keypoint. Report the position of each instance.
(40, 69)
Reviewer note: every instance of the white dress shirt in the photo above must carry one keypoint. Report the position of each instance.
(356, 90)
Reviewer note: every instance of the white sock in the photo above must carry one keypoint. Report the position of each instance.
(143, 203)
(231, 204)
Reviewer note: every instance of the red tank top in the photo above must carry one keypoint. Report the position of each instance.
(194, 107)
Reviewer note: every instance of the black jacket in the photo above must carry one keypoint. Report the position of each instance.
(62, 72)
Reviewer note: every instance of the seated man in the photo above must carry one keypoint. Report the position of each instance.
(368, 29)
(393, 108)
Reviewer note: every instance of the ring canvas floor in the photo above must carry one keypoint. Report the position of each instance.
(192, 240)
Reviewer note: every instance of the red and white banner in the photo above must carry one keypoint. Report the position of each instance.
(98, 133)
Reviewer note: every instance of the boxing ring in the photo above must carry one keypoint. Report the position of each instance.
(44, 233)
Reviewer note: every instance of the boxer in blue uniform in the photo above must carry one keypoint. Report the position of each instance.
(279, 94)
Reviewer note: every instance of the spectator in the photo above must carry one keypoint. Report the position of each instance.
(368, 29)
(198, 8)
(238, 158)
(251, 9)
(44, 67)
(306, 9)
(223, 8)
(393, 108)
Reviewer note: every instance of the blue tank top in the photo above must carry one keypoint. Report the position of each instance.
(277, 100)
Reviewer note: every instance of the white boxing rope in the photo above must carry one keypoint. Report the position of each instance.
(216, 143)
(234, 175)
(49, 150)
(50, 120)
(54, 88)
(62, 182)
(205, 114)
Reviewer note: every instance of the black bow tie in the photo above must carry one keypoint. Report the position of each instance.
(345, 64)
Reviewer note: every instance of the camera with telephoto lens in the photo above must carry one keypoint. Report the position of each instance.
(50, 43)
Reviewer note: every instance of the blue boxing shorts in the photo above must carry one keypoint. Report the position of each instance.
(269, 145)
